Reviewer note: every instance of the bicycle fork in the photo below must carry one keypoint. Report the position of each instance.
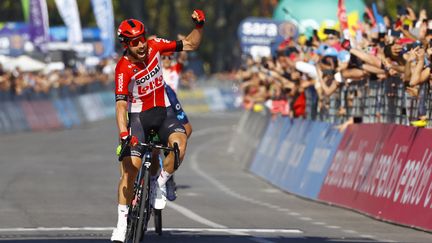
(140, 183)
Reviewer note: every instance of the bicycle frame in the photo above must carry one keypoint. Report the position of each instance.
(140, 210)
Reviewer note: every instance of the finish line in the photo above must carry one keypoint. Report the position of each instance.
(78, 229)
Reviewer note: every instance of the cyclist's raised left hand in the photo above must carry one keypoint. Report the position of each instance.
(198, 17)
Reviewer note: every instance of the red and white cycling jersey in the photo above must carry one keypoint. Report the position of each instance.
(172, 75)
(143, 82)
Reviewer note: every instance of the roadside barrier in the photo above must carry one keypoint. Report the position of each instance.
(69, 110)
(296, 154)
(382, 170)
(248, 134)
(54, 113)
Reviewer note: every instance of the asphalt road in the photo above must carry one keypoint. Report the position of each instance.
(60, 186)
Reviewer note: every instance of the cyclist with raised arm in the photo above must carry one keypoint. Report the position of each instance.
(172, 67)
(141, 97)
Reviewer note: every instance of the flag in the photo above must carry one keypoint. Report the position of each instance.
(379, 19)
(39, 26)
(104, 15)
(68, 10)
(371, 16)
(341, 13)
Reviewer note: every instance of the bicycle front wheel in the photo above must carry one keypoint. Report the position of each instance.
(143, 212)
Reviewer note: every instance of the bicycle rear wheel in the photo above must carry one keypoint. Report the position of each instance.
(141, 224)
(157, 215)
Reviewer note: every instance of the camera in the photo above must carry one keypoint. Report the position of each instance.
(394, 33)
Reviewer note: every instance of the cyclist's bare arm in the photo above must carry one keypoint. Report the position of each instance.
(193, 40)
(121, 115)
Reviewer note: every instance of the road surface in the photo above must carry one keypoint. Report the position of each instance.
(60, 186)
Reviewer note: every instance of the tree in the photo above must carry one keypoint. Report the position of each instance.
(167, 18)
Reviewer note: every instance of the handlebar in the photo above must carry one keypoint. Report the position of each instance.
(175, 149)
(156, 146)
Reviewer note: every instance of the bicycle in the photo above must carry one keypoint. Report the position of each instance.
(140, 208)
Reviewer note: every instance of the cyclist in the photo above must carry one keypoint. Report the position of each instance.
(141, 97)
(172, 73)
(171, 70)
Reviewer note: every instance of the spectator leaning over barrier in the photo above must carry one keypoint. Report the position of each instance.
(387, 70)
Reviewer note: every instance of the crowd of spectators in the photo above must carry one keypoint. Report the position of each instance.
(18, 84)
(308, 77)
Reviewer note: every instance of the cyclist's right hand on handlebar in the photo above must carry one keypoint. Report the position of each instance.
(133, 139)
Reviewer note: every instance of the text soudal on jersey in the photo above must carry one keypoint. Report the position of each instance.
(143, 82)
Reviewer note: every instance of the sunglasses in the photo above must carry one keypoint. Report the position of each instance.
(135, 42)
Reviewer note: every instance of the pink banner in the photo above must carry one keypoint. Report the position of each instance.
(411, 201)
(47, 113)
(384, 171)
(41, 115)
(32, 118)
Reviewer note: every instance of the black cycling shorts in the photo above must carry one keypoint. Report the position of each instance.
(176, 106)
(162, 119)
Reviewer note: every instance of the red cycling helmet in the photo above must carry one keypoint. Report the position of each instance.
(129, 29)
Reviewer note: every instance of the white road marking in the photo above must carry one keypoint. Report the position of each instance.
(319, 223)
(305, 218)
(208, 131)
(188, 213)
(367, 236)
(44, 229)
(350, 231)
(222, 187)
(216, 183)
(214, 230)
(275, 231)
(271, 190)
(229, 191)
(284, 210)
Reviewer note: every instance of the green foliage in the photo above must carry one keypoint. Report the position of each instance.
(11, 11)
(167, 18)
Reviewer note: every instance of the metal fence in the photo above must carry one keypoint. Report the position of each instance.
(372, 101)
